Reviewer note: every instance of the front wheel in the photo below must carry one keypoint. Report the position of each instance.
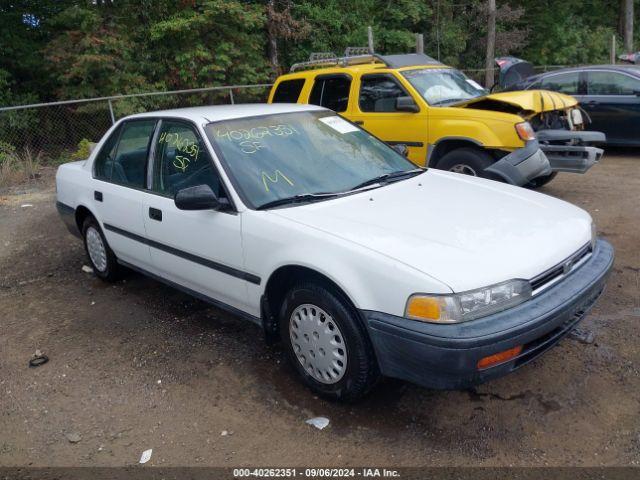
(326, 343)
(468, 161)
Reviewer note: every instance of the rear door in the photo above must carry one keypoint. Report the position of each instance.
(612, 101)
(375, 110)
(120, 173)
(200, 250)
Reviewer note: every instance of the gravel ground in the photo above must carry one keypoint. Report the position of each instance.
(138, 365)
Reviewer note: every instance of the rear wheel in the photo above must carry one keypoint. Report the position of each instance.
(541, 181)
(326, 343)
(468, 161)
(102, 259)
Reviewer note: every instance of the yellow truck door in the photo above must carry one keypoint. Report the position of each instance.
(374, 107)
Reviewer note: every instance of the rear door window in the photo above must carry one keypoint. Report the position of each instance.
(104, 160)
(288, 91)
(129, 164)
(331, 91)
(611, 83)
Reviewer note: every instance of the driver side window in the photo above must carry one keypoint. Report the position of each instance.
(181, 160)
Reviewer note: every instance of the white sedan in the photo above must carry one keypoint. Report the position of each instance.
(359, 262)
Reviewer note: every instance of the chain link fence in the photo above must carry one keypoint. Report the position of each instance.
(52, 132)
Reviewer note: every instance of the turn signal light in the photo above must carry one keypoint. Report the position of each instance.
(525, 131)
(498, 358)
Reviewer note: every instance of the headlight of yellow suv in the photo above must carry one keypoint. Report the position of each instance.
(465, 306)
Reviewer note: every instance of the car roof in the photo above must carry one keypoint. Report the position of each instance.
(214, 113)
(634, 69)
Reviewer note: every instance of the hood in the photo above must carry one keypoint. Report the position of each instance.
(463, 231)
(528, 101)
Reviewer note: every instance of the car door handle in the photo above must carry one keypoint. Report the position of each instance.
(97, 196)
(155, 214)
(359, 122)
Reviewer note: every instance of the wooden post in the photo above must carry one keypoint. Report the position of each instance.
(370, 39)
(628, 26)
(612, 55)
(419, 43)
(491, 45)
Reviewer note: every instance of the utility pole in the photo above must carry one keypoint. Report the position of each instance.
(370, 40)
(628, 26)
(491, 45)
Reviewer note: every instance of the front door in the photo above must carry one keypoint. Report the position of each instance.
(200, 250)
(375, 110)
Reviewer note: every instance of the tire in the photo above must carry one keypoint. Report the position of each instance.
(541, 181)
(102, 259)
(468, 161)
(315, 319)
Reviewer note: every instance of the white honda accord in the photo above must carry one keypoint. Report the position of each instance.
(361, 263)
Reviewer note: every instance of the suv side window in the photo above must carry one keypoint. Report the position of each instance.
(331, 91)
(378, 93)
(563, 82)
(611, 83)
(288, 91)
(181, 160)
(104, 160)
(129, 165)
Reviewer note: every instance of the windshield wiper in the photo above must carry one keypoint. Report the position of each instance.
(385, 178)
(303, 197)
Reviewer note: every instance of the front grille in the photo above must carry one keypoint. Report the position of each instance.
(551, 276)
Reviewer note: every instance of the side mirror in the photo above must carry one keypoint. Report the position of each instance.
(401, 148)
(200, 197)
(406, 104)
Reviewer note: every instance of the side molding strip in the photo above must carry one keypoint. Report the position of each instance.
(249, 277)
(193, 293)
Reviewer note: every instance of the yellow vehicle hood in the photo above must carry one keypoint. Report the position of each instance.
(529, 101)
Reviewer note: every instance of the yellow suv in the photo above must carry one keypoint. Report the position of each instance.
(440, 118)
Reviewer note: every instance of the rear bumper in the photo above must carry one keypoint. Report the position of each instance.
(446, 356)
(570, 151)
(68, 216)
(522, 165)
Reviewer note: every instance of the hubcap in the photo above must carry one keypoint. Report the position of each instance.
(95, 247)
(464, 169)
(318, 343)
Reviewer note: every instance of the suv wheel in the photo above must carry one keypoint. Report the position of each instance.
(468, 161)
(326, 343)
(102, 259)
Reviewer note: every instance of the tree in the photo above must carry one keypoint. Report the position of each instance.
(491, 44)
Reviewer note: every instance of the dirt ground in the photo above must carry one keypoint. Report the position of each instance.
(138, 365)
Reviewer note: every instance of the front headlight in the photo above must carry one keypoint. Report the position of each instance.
(465, 306)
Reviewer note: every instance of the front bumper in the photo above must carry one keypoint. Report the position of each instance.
(522, 165)
(569, 151)
(446, 356)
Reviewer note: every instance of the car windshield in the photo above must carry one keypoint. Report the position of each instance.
(442, 86)
(296, 155)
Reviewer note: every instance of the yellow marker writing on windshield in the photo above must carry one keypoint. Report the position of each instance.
(277, 176)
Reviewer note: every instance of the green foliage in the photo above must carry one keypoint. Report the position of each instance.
(79, 49)
(83, 151)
